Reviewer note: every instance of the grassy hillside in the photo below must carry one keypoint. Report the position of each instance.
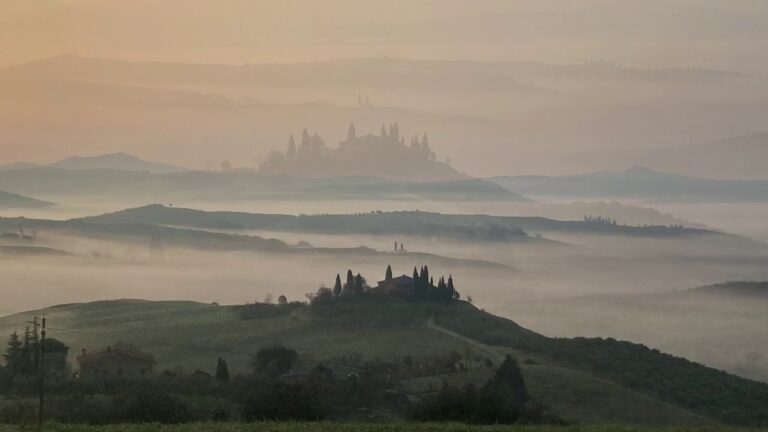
(720, 325)
(580, 380)
(705, 391)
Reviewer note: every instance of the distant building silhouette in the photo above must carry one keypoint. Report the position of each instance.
(122, 361)
(401, 286)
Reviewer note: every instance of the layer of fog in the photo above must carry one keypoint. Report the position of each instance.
(547, 273)
(631, 214)
(726, 332)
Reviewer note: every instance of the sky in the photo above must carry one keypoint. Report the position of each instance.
(559, 123)
(723, 34)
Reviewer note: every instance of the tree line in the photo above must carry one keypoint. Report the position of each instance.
(422, 287)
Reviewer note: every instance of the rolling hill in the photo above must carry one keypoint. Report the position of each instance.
(11, 200)
(720, 325)
(236, 186)
(122, 233)
(639, 183)
(627, 383)
(470, 227)
(758, 290)
(114, 161)
(733, 157)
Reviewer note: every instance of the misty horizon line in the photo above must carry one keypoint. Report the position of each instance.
(605, 62)
(254, 169)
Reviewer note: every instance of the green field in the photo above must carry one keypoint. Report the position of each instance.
(580, 381)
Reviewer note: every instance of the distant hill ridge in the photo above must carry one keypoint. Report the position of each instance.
(118, 161)
(743, 288)
(639, 182)
(111, 161)
(374, 71)
(12, 200)
(477, 227)
(242, 185)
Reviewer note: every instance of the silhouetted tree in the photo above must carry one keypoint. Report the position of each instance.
(318, 144)
(306, 143)
(452, 289)
(324, 295)
(56, 353)
(351, 133)
(416, 283)
(360, 284)
(12, 354)
(222, 370)
(290, 152)
(349, 286)
(274, 360)
(282, 300)
(508, 381)
(337, 286)
(388, 275)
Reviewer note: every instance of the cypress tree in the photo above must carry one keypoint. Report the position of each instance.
(388, 275)
(222, 370)
(337, 286)
(508, 380)
(350, 285)
(416, 286)
(13, 354)
(290, 153)
(305, 140)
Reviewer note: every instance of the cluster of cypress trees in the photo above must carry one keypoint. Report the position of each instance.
(22, 355)
(353, 285)
(424, 287)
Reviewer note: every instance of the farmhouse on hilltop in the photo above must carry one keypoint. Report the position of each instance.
(401, 286)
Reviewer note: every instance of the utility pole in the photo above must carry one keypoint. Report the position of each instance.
(42, 372)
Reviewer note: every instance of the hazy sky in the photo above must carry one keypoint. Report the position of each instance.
(728, 34)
